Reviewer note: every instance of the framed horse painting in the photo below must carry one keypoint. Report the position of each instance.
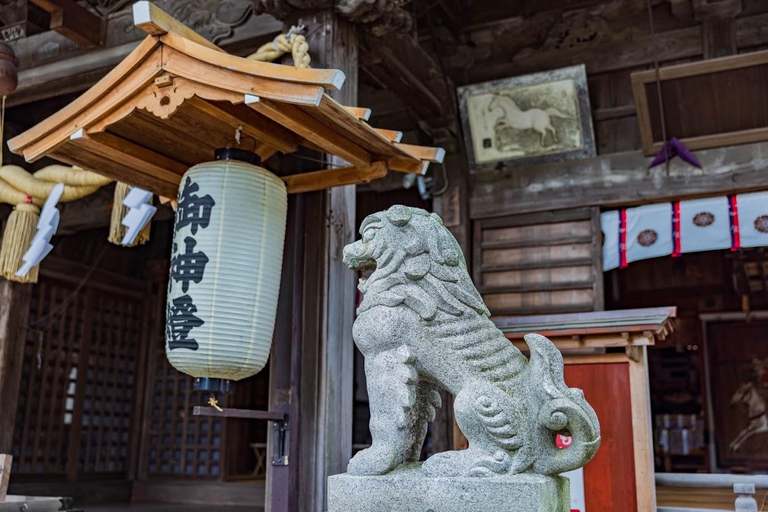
(542, 117)
(737, 367)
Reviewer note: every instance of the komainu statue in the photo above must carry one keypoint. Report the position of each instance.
(422, 327)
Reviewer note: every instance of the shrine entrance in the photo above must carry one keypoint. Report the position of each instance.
(707, 380)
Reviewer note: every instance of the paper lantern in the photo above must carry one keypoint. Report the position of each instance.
(225, 270)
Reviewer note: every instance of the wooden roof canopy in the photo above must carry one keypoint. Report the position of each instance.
(177, 97)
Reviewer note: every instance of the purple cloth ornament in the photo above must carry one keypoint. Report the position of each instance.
(675, 148)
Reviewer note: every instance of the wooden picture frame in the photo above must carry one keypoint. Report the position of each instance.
(732, 87)
(541, 117)
(729, 369)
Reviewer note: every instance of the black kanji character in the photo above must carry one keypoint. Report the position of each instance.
(193, 210)
(188, 266)
(180, 321)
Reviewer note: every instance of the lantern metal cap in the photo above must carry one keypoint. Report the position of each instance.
(242, 155)
(213, 385)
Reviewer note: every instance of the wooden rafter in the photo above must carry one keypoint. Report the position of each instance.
(308, 128)
(259, 126)
(319, 180)
(155, 22)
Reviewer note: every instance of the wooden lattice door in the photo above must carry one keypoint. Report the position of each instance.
(76, 399)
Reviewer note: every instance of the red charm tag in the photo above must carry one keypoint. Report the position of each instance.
(562, 441)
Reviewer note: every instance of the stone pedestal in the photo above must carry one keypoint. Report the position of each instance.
(407, 490)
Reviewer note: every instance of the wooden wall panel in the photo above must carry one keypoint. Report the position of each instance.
(609, 479)
(542, 263)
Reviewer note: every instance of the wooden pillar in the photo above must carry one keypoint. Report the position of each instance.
(718, 26)
(14, 313)
(319, 394)
(335, 46)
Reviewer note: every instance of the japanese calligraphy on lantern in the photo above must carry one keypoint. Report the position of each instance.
(187, 266)
(225, 266)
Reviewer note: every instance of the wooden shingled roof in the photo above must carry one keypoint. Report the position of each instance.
(177, 97)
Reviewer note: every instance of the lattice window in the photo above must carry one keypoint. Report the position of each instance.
(179, 444)
(76, 395)
(51, 354)
(108, 400)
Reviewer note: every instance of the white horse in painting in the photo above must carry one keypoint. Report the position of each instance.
(748, 395)
(515, 118)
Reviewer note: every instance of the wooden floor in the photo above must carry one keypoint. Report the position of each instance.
(163, 507)
(701, 498)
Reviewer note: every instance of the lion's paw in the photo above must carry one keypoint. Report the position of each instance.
(372, 461)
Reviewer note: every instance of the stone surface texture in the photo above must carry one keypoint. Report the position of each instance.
(407, 489)
(422, 326)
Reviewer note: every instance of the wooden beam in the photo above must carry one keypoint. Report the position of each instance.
(390, 135)
(156, 22)
(144, 160)
(326, 377)
(402, 66)
(642, 429)
(14, 315)
(75, 152)
(253, 123)
(407, 165)
(429, 154)
(311, 129)
(474, 64)
(361, 113)
(616, 180)
(320, 180)
(718, 24)
(247, 414)
(74, 22)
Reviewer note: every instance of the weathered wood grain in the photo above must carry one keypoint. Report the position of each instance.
(616, 180)
(14, 311)
(320, 180)
(156, 22)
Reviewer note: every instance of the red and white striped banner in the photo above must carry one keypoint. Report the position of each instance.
(672, 229)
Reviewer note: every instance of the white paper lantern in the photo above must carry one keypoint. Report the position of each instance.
(225, 270)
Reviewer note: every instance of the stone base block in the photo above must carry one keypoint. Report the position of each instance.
(407, 490)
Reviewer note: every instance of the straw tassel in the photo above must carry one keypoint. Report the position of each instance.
(119, 210)
(18, 235)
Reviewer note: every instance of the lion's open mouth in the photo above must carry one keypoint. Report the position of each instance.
(362, 264)
(365, 267)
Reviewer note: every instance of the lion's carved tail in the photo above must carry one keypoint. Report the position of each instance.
(562, 410)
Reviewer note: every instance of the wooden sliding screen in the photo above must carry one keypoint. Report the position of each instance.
(549, 262)
(76, 399)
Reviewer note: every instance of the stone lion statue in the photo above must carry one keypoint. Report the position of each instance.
(422, 327)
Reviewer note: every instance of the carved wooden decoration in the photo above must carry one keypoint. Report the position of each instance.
(541, 117)
(177, 97)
